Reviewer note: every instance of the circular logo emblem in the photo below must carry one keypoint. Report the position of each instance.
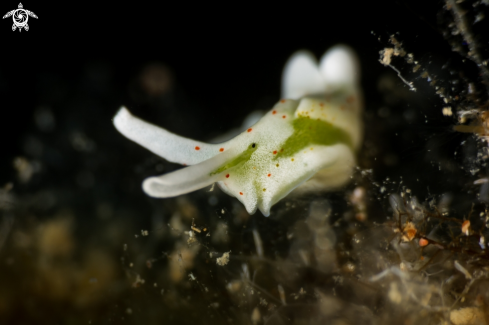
(20, 17)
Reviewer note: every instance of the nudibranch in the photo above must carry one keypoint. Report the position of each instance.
(306, 142)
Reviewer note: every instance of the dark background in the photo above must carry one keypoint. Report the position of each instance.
(226, 59)
(222, 62)
(78, 63)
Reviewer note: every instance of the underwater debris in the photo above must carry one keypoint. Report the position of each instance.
(223, 260)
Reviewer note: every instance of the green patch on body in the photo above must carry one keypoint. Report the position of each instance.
(310, 132)
(242, 158)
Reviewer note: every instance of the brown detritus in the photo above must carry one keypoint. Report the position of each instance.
(409, 231)
(466, 227)
(223, 260)
(387, 56)
(457, 244)
(358, 199)
(467, 316)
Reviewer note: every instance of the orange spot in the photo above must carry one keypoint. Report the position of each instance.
(283, 101)
(221, 150)
(197, 148)
(269, 175)
(292, 159)
(274, 112)
(342, 107)
(321, 104)
(240, 193)
(227, 175)
(423, 242)
(249, 130)
(283, 116)
(275, 152)
(277, 165)
(350, 99)
(184, 164)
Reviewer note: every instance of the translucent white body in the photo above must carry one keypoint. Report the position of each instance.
(310, 135)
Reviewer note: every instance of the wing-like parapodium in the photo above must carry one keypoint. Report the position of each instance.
(165, 144)
(189, 179)
(301, 76)
(339, 66)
